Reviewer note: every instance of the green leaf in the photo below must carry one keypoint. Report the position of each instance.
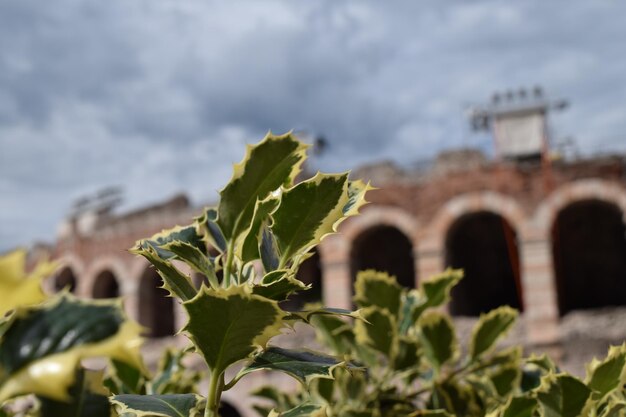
(435, 291)
(562, 396)
(407, 354)
(603, 377)
(520, 407)
(250, 247)
(213, 233)
(438, 339)
(615, 408)
(173, 405)
(308, 212)
(172, 376)
(174, 281)
(303, 410)
(303, 365)
(379, 330)
(227, 325)
(269, 250)
(88, 398)
(431, 413)
(491, 327)
(374, 288)
(196, 259)
(334, 333)
(278, 285)
(356, 197)
(272, 163)
(44, 344)
(125, 378)
(505, 379)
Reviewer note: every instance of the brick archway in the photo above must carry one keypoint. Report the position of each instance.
(589, 189)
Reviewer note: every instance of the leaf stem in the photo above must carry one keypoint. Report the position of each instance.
(215, 392)
(230, 255)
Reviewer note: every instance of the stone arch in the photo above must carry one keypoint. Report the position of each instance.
(485, 246)
(156, 308)
(589, 255)
(383, 224)
(228, 410)
(105, 285)
(489, 201)
(588, 189)
(65, 279)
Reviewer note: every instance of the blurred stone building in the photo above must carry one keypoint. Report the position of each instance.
(541, 234)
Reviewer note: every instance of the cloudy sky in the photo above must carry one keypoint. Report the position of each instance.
(160, 96)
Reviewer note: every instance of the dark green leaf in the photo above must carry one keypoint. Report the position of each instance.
(214, 235)
(303, 365)
(278, 285)
(227, 325)
(562, 396)
(438, 339)
(608, 375)
(88, 399)
(374, 288)
(379, 330)
(491, 327)
(520, 407)
(250, 246)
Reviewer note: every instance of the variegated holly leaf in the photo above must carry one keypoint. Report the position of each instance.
(505, 379)
(562, 396)
(18, 288)
(308, 212)
(378, 331)
(605, 376)
(516, 407)
(267, 166)
(184, 234)
(334, 333)
(379, 289)
(269, 249)
(303, 365)
(279, 285)
(227, 325)
(172, 376)
(212, 234)
(430, 413)
(438, 339)
(356, 197)
(170, 405)
(435, 291)
(89, 398)
(303, 410)
(44, 344)
(249, 249)
(306, 315)
(174, 281)
(195, 258)
(490, 328)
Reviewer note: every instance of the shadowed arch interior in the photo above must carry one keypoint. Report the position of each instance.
(589, 252)
(156, 309)
(384, 248)
(310, 272)
(228, 410)
(65, 279)
(484, 245)
(106, 286)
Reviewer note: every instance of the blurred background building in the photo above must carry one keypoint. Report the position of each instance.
(533, 228)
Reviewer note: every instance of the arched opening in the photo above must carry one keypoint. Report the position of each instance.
(310, 272)
(589, 252)
(156, 309)
(384, 248)
(106, 286)
(484, 245)
(227, 410)
(65, 279)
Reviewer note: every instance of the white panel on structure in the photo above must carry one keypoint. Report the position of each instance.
(519, 134)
